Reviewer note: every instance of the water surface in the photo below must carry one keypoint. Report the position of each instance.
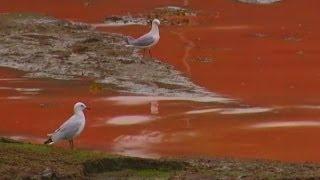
(260, 57)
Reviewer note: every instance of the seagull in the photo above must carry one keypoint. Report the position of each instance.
(71, 128)
(148, 40)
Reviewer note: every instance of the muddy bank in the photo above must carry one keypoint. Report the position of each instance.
(47, 47)
(168, 16)
(24, 160)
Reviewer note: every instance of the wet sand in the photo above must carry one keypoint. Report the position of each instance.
(263, 56)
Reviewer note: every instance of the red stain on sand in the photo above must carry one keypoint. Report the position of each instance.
(260, 55)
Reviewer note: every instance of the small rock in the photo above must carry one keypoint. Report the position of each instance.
(47, 173)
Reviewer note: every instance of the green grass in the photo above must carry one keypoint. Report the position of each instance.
(41, 150)
(136, 174)
(19, 160)
(32, 159)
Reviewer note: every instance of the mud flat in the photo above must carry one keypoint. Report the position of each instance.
(22, 160)
(50, 48)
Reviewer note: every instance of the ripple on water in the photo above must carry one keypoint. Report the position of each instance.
(227, 111)
(130, 120)
(259, 1)
(16, 97)
(5, 88)
(233, 27)
(251, 110)
(30, 91)
(138, 145)
(12, 79)
(285, 124)
(204, 111)
(138, 100)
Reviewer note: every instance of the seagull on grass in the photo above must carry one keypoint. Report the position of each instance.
(71, 128)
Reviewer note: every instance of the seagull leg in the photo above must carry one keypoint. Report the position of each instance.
(150, 53)
(71, 143)
(144, 52)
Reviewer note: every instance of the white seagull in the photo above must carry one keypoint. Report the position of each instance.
(148, 40)
(71, 128)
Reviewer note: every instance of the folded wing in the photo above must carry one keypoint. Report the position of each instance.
(67, 130)
(142, 41)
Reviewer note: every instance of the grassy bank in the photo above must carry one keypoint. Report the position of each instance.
(20, 160)
(24, 160)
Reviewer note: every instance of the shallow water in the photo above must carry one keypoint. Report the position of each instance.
(264, 61)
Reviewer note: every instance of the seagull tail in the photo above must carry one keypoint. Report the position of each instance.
(129, 40)
(49, 141)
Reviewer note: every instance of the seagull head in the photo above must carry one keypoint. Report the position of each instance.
(79, 106)
(156, 21)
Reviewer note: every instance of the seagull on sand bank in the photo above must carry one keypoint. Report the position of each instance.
(71, 128)
(148, 40)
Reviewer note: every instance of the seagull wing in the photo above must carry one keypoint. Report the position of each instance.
(143, 41)
(68, 129)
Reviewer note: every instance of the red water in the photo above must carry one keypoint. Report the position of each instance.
(262, 56)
